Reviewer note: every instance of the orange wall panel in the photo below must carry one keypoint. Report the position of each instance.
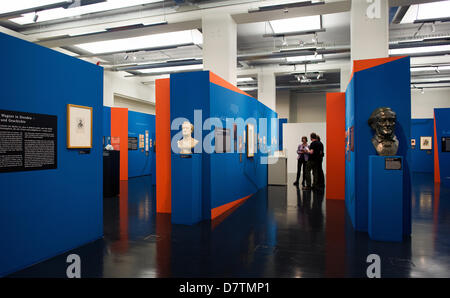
(215, 79)
(437, 171)
(335, 146)
(163, 150)
(119, 128)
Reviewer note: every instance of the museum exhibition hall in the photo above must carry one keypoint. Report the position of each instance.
(225, 139)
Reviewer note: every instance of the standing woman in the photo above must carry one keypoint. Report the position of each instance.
(302, 158)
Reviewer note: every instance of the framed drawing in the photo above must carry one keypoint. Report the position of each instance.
(426, 143)
(79, 127)
(250, 140)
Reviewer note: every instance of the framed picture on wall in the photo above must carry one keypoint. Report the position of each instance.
(250, 140)
(426, 143)
(79, 127)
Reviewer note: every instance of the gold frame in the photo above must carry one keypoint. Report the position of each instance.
(68, 126)
(248, 152)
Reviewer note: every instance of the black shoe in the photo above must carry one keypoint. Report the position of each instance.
(296, 183)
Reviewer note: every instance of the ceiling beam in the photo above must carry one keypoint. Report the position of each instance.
(395, 3)
(262, 16)
(177, 21)
(68, 41)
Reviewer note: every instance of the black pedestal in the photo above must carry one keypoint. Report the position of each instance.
(111, 173)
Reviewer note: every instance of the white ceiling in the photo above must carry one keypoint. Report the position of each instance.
(186, 15)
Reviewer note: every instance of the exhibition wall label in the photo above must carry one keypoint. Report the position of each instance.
(27, 141)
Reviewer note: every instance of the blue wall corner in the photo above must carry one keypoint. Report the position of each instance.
(384, 85)
(46, 213)
(422, 160)
(442, 117)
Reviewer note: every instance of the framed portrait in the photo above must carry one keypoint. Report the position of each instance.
(250, 140)
(426, 143)
(79, 127)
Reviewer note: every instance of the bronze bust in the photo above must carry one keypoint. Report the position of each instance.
(383, 122)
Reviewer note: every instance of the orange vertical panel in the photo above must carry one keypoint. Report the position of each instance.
(119, 128)
(163, 150)
(437, 171)
(335, 146)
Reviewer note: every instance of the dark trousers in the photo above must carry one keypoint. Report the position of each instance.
(313, 166)
(301, 163)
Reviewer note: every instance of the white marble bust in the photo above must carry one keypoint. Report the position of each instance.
(187, 142)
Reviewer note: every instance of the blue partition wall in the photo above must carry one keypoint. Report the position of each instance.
(442, 120)
(139, 163)
(385, 85)
(225, 178)
(280, 132)
(47, 212)
(421, 160)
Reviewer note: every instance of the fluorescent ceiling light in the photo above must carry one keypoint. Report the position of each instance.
(431, 79)
(430, 68)
(172, 69)
(304, 58)
(248, 88)
(88, 32)
(7, 6)
(144, 42)
(427, 11)
(240, 80)
(299, 24)
(420, 50)
(59, 13)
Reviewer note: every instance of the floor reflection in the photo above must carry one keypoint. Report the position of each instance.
(281, 231)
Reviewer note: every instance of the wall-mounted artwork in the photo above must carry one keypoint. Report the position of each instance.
(222, 140)
(426, 143)
(250, 140)
(79, 126)
(141, 141)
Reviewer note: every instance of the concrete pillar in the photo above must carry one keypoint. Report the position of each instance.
(369, 29)
(283, 103)
(345, 77)
(267, 88)
(220, 46)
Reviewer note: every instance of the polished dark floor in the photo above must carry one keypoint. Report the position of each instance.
(279, 232)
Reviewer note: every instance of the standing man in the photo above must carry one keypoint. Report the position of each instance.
(302, 159)
(321, 175)
(315, 151)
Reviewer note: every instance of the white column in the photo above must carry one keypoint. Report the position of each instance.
(369, 29)
(220, 46)
(345, 77)
(267, 88)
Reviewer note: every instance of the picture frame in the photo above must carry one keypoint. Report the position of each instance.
(250, 140)
(426, 143)
(79, 127)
